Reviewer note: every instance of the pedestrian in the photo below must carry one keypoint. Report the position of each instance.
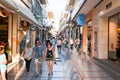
(27, 54)
(71, 43)
(3, 61)
(53, 41)
(59, 43)
(50, 57)
(66, 46)
(38, 53)
(44, 45)
(7, 50)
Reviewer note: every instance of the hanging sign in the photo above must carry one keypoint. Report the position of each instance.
(6, 12)
(80, 19)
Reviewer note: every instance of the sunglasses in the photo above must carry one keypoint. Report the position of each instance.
(1, 48)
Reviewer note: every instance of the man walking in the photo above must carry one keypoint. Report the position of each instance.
(38, 53)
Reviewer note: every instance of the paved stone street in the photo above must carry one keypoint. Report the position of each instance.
(70, 67)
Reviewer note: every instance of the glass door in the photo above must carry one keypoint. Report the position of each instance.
(89, 35)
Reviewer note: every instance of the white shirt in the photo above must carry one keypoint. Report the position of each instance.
(28, 52)
(59, 42)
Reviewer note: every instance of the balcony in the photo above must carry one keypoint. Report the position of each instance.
(71, 3)
(43, 1)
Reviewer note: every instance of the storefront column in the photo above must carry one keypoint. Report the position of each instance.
(10, 37)
(103, 38)
(89, 17)
(92, 40)
(14, 35)
(84, 48)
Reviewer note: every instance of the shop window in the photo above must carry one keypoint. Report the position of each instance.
(95, 41)
(3, 29)
(114, 37)
(76, 33)
(89, 34)
(4, 36)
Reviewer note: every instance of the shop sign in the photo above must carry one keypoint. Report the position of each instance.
(109, 5)
(71, 11)
(80, 19)
(4, 12)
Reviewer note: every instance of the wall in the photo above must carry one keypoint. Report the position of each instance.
(103, 38)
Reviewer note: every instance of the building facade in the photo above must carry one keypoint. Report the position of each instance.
(18, 27)
(106, 22)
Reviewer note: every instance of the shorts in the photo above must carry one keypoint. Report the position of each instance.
(3, 68)
(66, 46)
(49, 59)
(38, 60)
(58, 46)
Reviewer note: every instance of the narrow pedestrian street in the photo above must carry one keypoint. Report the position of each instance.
(71, 67)
(88, 29)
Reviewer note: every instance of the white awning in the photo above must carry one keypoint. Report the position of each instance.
(25, 12)
(8, 4)
(63, 27)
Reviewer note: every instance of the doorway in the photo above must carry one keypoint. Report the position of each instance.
(114, 37)
(4, 30)
(89, 35)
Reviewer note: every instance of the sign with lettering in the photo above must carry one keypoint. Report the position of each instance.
(109, 5)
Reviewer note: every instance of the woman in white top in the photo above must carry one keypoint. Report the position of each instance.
(27, 54)
(59, 43)
(3, 62)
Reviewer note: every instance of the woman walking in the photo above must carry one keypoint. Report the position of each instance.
(49, 56)
(59, 45)
(3, 61)
(27, 54)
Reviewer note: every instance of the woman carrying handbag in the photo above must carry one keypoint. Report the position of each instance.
(27, 54)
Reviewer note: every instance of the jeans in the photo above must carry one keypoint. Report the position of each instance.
(27, 64)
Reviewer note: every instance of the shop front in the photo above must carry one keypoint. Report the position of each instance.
(107, 22)
(8, 32)
(5, 30)
(88, 34)
(114, 37)
(11, 29)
